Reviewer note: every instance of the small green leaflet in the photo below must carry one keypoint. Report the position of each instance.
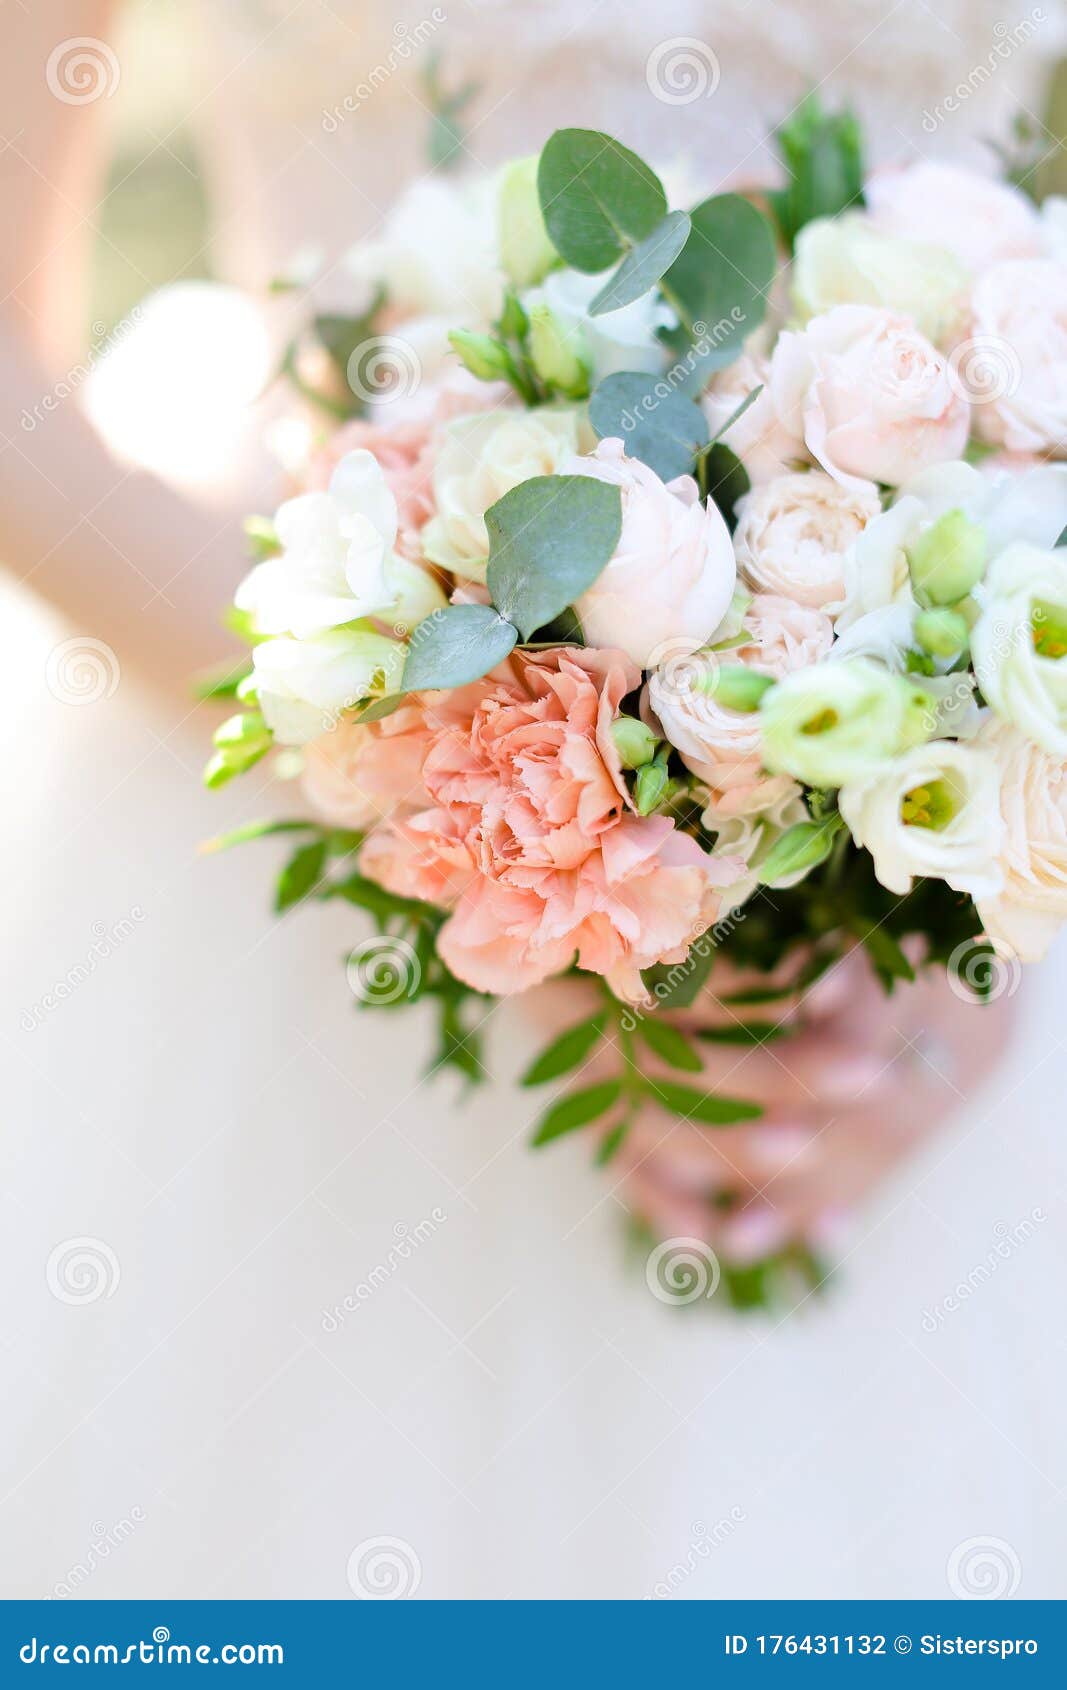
(643, 265)
(577, 1109)
(662, 428)
(800, 848)
(564, 1054)
(300, 875)
(677, 985)
(549, 538)
(670, 1045)
(1062, 541)
(701, 1106)
(597, 198)
(453, 646)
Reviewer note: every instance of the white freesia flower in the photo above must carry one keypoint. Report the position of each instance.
(1019, 643)
(793, 534)
(304, 686)
(619, 340)
(672, 575)
(1030, 909)
(1018, 329)
(436, 254)
(481, 458)
(932, 811)
(337, 562)
(848, 260)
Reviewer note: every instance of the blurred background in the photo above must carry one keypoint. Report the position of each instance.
(204, 1152)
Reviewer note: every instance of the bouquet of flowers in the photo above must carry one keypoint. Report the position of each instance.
(674, 585)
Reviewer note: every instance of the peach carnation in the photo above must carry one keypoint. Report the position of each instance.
(528, 836)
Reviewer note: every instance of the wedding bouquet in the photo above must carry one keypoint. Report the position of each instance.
(668, 585)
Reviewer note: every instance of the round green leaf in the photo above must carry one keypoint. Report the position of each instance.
(721, 278)
(643, 266)
(549, 538)
(597, 197)
(453, 646)
(658, 424)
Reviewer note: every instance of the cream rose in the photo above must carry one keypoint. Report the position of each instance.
(759, 437)
(481, 458)
(1019, 643)
(980, 220)
(868, 394)
(1014, 357)
(722, 746)
(850, 261)
(932, 811)
(793, 533)
(673, 573)
(1031, 907)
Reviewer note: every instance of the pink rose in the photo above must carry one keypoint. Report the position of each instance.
(980, 220)
(526, 833)
(1014, 358)
(759, 437)
(793, 533)
(870, 395)
(673, 574)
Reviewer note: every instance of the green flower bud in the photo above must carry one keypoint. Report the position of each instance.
(800, 848)
(635, 743)
(483, 356)
(942, 633)
(526, 252)
(240, 741)
(948, 559)
(735, 687)
(514, 322)
(650, 787)
(558, 354)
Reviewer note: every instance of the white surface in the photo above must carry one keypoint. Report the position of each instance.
(511, 1402)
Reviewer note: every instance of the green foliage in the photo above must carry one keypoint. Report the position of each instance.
(598, 199)
(566, 1053)
(458, 644)
(643, 265)
(447, 106)
(823, 156)
(301, 874)
(661, 426)
(719, 282)
(549, 539)
(577, 1109)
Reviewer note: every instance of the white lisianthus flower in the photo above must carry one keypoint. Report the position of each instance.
(869, 395)
(619, 340)
(672, 575)
(1019, 643)
(1014, 355)
(978, 218)
(337, 562)
(305, 686)
(933, 811)
(1031, 907)
(481, 458)
(839, 722)
(793, 533)
(848, 260)
(759, 437)
(747, 822)
(887, 636)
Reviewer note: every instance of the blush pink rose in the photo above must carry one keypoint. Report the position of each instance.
(980, 220)
(871, 397)
(527, 834)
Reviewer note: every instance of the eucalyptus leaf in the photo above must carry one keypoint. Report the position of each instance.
(1062, 541)
(597, 198)
(720, 280)
(453, 646)
(643, 265)
(549, 538)
(658, 423)
(724, 479)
